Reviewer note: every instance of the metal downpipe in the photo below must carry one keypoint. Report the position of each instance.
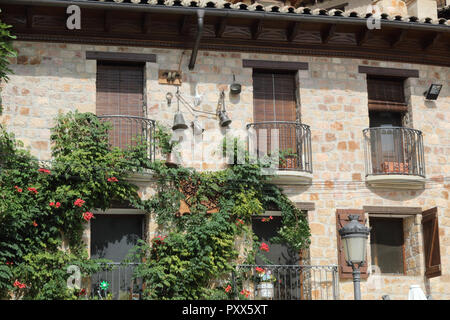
(200, 16)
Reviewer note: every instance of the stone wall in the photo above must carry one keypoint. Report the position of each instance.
(50, 78)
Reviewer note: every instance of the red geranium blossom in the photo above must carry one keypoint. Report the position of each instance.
(51, 204)
(244, 292)
(228, 288)
(113, 179)
(264, 247)
(44, 170)
(57, 205)
(259, 270)
(18, 189)
(35, 224)
(33, 190)
(239, 221)
(18, 284)
(79, 202)
(88, 216)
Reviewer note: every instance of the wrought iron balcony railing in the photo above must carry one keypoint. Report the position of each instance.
(394, 150)
(287, 282)
(292, 139)
(119, 280)
(129, 131)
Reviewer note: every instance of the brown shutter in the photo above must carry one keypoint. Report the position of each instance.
(274, 99)
(345, 271)
(386, 94)
(274, 96)
(120, 89)
(430, 228)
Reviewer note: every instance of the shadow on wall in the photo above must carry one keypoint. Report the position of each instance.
(396, 194)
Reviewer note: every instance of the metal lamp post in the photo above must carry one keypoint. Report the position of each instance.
(354, 238)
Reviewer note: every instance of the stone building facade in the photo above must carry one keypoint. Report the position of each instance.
(50, 78)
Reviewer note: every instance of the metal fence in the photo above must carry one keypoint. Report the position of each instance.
(129, 131)
(293, 139)
(394, 150)
(286, 282)
(118, 278)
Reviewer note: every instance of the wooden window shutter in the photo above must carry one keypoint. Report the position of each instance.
(345, 271)
(274, 96)
(120, 89)
(430, 228)
(386, 94)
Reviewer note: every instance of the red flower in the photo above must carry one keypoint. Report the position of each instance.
(259, 270)
(18, 189)
(79, 202)
(88, 216)
(51, 204)
(239, 221)
(228, 288)
(44, 170)
(113, 179)
(33, 190)
(244, 292)
(82, 292)
(9, 263)
(57, 205)
(18, 284)
(35, 224)
(264, 247)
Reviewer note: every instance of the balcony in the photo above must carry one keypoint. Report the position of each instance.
(130, 131)
(287, 282)
(292, 140)
(394, 157)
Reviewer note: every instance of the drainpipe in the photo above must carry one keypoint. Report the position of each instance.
(200, 15)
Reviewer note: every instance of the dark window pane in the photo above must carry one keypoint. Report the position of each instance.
(112, 236)
(386, 241)
(378, 119)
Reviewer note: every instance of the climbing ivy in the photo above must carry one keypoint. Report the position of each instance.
(6, 52)
(194, 254)
(43, 207)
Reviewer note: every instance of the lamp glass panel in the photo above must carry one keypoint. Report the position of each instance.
(354, 249)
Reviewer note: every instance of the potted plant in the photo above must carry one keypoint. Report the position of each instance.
(265, 286)
(288, 159)
(166, 144)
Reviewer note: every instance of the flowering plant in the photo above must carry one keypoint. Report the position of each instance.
(265, 275)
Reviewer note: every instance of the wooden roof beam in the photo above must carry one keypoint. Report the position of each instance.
(293, 31)
(328, 33)
(431, 41)
(107, 22)
(220, 27)
(399, 38)
(362, 36)
(29, 14)
(185, 24)
(257, 29)
(146, 23)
